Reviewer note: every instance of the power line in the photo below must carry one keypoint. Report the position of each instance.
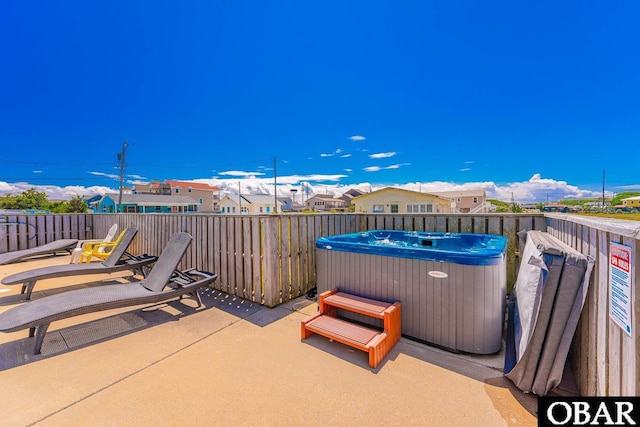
(50, 163)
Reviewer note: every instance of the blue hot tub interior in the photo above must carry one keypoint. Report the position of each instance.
(459, 248)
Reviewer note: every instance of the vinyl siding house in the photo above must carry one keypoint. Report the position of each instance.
(633, 202)
(397, 200)
(249, 204)
(153, 187)
(207, 196)
(325, 203)
(146, 203)
(468, 201)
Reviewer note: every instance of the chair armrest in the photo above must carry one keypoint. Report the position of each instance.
(82, 244)
(94, 247)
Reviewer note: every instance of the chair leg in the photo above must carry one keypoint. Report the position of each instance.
(196, 296)
(145, 271)
(28, 288)
(41, 330)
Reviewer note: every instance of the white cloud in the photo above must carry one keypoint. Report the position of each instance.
(106, 175)
(382, 155)
(54, 192)
(253, 185)
(338, 151)
(240, 173)
(348, 170)
(468, 162)
(632, 187)
(379, 168)
(138, 177)
(37, 171)
(465, 169)
(357, 138)
(535, 189)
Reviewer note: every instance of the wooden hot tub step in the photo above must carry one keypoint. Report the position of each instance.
(376, 343)
(345, 332)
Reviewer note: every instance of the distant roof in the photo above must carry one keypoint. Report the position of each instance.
(460, 193)
(153, 199)
(254, 199)
(325, 196)
(395, 189)
(353, 192)
(194, 185)
(632, 198)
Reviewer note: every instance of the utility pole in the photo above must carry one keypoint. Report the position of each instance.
(275, 187)
(603, 175)
(121, 158)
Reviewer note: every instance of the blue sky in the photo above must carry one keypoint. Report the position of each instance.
(529, 98)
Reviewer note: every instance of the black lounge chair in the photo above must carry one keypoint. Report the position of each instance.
(49, 248)
(118, 260)
(163, 283)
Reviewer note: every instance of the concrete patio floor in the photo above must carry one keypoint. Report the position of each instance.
(233, 362)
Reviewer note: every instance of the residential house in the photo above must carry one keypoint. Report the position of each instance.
(207, 196)
(633, 202)
(93, 200)
(325, 203)
(290, 205)
(153, 187)
(556, 207)
(397, 200)
(467, 201)
(349, 195)
(250, 204)
(146, 203)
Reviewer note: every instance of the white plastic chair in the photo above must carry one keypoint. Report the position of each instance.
(77, 251)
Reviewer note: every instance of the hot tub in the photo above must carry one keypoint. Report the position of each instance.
(452, 286)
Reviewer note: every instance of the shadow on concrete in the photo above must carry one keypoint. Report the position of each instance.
(60, 341)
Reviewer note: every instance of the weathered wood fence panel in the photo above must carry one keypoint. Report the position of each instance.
(26, 231)
(605, 359)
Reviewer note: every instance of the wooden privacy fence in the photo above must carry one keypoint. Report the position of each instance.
(270, 259)
(267, 259)
(27, 231)
(606, 360)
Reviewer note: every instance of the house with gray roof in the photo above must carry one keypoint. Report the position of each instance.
(146, 203)
(325, 203)
(250, 204)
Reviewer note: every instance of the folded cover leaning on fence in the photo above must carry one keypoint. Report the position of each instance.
(544, 309)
